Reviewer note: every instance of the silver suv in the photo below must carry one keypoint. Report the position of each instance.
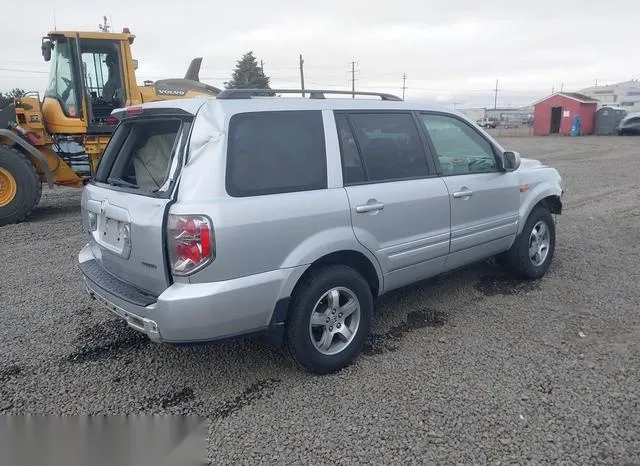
(214, 218)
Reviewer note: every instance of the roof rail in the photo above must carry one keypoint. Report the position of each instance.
(313, 93)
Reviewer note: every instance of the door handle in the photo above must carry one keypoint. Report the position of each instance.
(369, 207)
(463, 193)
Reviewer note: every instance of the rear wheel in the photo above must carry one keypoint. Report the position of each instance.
(329, 319)
(20, 186)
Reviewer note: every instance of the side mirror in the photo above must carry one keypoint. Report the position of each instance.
(47, 46)
(511, 161)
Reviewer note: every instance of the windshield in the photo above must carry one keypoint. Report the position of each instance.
(61, 81)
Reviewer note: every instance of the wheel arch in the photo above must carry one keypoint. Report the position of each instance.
(360, 262)
(548, 197)
(351, 258)
(29, 149)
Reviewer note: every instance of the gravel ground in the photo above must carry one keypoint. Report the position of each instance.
(474, 367)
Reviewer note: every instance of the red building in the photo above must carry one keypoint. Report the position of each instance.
(555, 114)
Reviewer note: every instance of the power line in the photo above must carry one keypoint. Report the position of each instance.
(22, 70)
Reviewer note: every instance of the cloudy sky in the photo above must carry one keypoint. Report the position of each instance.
(452, 51)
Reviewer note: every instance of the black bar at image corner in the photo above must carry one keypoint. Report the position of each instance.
(102, 440)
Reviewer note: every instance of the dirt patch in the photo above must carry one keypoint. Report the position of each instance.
(9, 372)
(379, 343)
(250, 394)
(106, 340)
(504, 284)
(173, 398)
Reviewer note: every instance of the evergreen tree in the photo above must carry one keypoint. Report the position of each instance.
(248, 75)
(7, 98)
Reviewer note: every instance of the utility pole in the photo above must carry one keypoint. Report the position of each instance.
(353, 79)
(302, 74)
(561, 86)
(262, 66)
(404, 84)
(495, 99)
(596, 82)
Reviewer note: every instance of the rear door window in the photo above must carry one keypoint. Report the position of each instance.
(141, 155)
(384, 146)
(276, 152)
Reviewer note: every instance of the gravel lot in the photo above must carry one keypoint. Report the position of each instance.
(475, 367)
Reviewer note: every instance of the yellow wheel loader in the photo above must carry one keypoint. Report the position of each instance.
(59, 140)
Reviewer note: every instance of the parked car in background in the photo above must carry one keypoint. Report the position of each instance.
(630, 125)
(215, 218)
(488, 123)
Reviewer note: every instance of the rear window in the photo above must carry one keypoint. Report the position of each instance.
(275, 152)
(140, 155)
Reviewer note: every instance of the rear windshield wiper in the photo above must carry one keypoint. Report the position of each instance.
(121, 182)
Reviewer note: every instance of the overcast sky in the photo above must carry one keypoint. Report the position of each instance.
(451, 51)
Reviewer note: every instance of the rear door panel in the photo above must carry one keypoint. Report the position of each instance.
(410, 235)
(138, 260)
(399, 211)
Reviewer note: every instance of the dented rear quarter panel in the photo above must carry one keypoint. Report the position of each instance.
(260, 234)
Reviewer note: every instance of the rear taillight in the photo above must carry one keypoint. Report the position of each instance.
(191, 243)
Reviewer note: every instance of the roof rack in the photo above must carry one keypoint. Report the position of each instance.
(313, 93)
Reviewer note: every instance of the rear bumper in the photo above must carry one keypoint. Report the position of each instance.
(190, 313)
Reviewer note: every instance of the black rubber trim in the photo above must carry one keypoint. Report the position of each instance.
(103, 279)
(275, 332)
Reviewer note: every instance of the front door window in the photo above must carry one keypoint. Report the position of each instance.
(459, 148)
(62, 84)
(103, 77)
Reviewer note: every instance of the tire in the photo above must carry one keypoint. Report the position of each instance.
(18, 169)
(519, 260)
(309, 297)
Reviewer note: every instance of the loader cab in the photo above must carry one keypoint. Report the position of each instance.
(87, 81)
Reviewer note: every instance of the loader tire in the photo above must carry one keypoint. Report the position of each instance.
(20, 186)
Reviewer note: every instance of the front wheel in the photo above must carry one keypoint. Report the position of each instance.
(329, 319)
(533, 249)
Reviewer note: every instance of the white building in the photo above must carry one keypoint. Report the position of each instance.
(625, 95)
(476, 113)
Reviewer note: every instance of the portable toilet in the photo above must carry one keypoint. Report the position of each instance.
(608, 119)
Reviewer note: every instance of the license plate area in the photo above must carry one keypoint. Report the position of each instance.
(114, 235)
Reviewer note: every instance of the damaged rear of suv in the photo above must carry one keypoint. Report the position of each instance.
(125, 215)
(214, 218)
